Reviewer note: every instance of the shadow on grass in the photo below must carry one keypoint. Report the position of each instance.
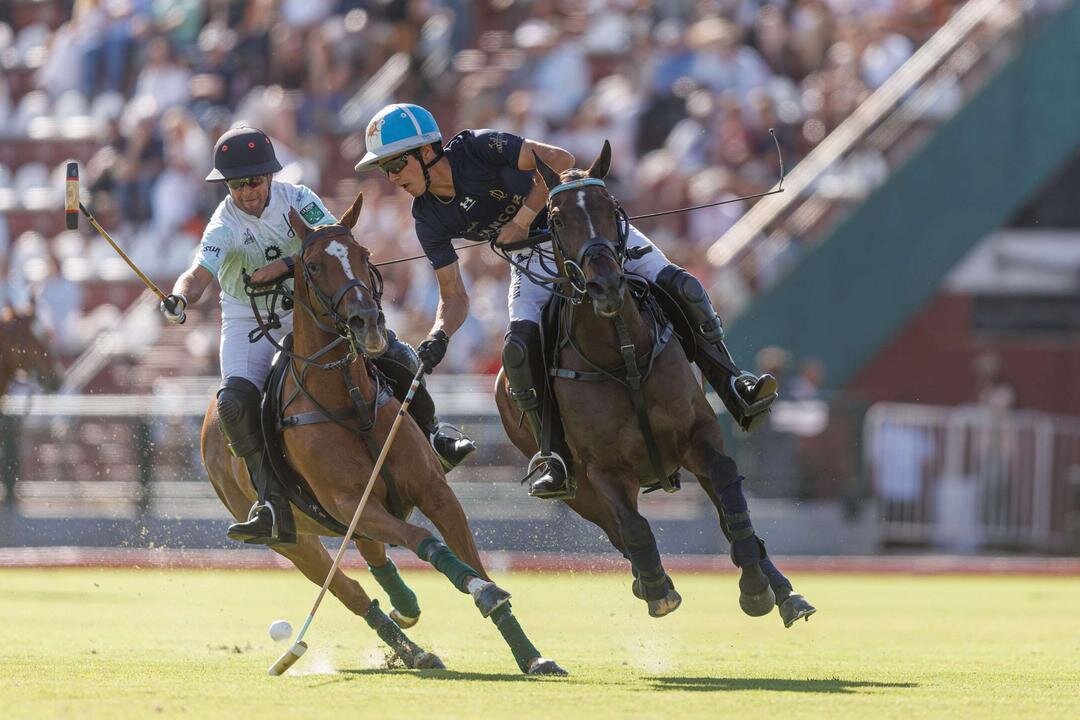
(439, 674)
(809, 685)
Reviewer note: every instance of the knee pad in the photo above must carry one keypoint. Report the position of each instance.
(516, 348)
(682, 285)
(236, 398)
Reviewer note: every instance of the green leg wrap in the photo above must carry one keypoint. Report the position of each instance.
(445, 561)
(391, 634)
(401, 597)
(515, 637)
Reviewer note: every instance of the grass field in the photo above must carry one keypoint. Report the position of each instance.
(102, 643)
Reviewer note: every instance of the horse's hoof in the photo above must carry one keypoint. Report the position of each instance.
(795, 607)
(428, 661)
(403, 621)
(639, 591)
(490, 598)
(667, 604)
(543, 666)
(756, 598)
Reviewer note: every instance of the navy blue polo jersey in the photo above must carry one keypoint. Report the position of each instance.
(489, 189)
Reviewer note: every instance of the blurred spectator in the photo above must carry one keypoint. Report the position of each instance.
(809, 382)
(992, 390)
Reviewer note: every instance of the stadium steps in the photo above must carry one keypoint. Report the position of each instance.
(848, 295)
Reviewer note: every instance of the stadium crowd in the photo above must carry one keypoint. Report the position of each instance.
(686, 91)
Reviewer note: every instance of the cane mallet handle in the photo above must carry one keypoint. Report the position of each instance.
(299, 647)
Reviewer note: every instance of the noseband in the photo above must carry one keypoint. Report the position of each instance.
(573, 267)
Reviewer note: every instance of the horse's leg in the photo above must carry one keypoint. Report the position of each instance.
(312, 559)
(761, 583)
(441, 506)
(406, 611)
(651, 583)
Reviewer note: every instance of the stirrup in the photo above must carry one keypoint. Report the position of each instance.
(539, 460)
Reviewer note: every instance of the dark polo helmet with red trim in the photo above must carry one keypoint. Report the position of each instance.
(243, 152)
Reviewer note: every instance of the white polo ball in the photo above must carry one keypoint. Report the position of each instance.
(280, 630)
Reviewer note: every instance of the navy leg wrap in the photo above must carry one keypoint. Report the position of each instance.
(781, 585)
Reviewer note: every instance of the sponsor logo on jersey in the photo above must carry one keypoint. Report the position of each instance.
(208, 249)
(467, 204)
(497, 142)
(312, 213)
(249, 239)
(272, 253)
(497, 194)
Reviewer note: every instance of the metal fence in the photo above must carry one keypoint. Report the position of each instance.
(968, 478)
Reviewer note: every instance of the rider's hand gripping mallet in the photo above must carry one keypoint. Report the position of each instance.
(71, 207)
(299, 647)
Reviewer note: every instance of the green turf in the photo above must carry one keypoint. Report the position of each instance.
(149, 643)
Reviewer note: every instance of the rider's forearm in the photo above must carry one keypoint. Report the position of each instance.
(451, 314)
(191, 285)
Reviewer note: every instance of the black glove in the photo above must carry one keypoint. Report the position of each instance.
(433, 350)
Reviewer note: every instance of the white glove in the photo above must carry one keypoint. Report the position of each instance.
(173, 308)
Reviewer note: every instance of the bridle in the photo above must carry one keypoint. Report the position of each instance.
(573, 265)
(323, 311)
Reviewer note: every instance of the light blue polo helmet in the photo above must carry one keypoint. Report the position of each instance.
(396, 129)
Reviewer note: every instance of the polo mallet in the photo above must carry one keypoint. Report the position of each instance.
(299, 647)
(72, 206)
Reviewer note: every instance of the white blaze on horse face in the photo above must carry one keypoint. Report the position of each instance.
(588, 218)
(341, 253)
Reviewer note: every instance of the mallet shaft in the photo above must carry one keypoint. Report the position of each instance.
(123, 256)
(298, 647)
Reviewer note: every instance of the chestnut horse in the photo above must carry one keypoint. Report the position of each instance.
(603, 341)
(338, 325)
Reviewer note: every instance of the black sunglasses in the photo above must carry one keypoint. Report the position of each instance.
(395, 164)
(240, 183)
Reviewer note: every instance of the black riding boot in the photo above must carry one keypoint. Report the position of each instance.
(524, 366)
(401, 364)
(270, 521)
(746, 396)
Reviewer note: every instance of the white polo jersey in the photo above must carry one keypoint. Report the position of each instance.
(235, 242)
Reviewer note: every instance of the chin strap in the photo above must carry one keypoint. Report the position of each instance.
(426, 167)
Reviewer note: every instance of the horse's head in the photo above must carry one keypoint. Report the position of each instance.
(24, 350)
(588, 230)
(341, 283)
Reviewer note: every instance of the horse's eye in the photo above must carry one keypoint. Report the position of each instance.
(314, 267)
(556, 219)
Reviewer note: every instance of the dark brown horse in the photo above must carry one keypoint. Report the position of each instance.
(338, 325)
(605, 337)
(21, 349)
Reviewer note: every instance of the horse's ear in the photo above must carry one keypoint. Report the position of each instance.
(602, 163)
(551, 178)
(353, 213)
(298, 224)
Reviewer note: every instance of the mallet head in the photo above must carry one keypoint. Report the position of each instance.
(289, 659)
(71, 196)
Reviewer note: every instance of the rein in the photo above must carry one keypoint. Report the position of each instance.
(634, 371)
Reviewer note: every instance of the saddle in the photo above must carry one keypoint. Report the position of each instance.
(293, 484)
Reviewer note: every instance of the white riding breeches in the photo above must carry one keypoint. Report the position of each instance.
(239, 356)
(527, 299)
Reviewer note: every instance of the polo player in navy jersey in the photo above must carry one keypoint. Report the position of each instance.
(483, 185)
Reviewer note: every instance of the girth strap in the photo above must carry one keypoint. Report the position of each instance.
(633, 382)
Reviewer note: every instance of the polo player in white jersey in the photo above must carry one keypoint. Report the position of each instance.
(250, 230)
